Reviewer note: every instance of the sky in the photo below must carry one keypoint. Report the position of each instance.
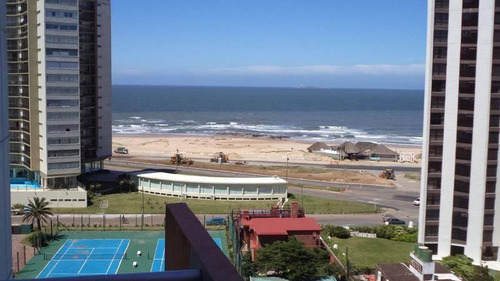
(276, 43)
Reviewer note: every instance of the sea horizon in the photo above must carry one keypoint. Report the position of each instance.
(310, 114)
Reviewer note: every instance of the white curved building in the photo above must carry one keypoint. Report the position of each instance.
(202, 187)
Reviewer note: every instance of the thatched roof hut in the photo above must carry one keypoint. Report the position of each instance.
(349, 148)
(367, 150)
(317, 146)
(380, 150)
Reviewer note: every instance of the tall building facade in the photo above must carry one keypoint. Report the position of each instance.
(460, 189)
(5, 220)
(59, 86)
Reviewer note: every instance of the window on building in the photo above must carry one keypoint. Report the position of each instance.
(62, 52)
(65, 78)
(58, 39)
(61, 65)
(61, 27)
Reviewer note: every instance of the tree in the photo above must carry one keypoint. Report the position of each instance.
(463, 267)
(248, 267)
(290, 259)
(37, 211)
(334, 270)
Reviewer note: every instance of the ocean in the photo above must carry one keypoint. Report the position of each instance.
(385, 116)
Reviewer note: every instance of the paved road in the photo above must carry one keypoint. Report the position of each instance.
(134, 220)
(361, 166)
(397, 200)
(131, 166)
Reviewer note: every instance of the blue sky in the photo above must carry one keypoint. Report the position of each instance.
(290, 43)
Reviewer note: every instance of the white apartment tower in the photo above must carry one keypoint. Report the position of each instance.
(59, 86)
(460, 190)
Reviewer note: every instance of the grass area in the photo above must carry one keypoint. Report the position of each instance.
(495, 274)
(131, 203)
(413, 176)
(367, 252)
(333, 189)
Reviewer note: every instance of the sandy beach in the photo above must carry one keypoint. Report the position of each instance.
(238, 148)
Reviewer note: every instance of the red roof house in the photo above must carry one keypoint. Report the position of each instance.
(258, 232)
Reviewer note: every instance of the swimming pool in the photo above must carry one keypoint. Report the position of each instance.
(22, 184)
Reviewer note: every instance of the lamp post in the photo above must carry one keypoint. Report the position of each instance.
(286, 173)
(287, 159)
(142, 219)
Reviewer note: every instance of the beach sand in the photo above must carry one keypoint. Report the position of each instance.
(238, 148)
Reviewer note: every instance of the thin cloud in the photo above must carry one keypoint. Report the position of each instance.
(366, 69)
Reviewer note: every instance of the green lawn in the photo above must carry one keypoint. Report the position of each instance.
(367, 252)
(131, 203)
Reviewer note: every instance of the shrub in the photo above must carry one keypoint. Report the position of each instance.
(32, 239)
(337, 231)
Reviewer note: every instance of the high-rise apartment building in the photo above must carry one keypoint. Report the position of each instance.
(59, 86)
(460, 190)
(5, 220)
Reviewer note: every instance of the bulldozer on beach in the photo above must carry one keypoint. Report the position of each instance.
(224, 158)
(388, 174)
(178, 159)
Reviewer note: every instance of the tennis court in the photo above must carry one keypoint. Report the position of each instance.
(159, 257)
(79, 257)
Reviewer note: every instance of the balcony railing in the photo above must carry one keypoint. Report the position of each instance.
(177, 275)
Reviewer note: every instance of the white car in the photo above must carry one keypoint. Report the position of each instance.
(416, 202)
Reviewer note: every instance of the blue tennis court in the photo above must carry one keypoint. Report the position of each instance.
(86, 257)
(159, 257)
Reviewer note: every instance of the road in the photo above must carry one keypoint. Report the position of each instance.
(398, 201)
(397, 167)
(134, 220)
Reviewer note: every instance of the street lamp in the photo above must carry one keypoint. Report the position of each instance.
(287, 159)
(286, 173)
(142, 219)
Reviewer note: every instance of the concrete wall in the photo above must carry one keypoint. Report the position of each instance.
(211, 191)
(74, 198)
(5, 237)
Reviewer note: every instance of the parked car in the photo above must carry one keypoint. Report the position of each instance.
(394, 221)
(121, 150)
(216, 221)
(385, 217)
(416, 202)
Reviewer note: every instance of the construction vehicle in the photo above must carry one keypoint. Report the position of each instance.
(220, 155)
(178, 159)
(388, 174)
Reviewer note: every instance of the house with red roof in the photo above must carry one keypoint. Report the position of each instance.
(258, 231)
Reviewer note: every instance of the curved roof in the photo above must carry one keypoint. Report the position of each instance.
(211, 180)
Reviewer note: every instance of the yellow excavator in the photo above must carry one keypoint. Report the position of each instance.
(178, 159)
(388, 174)
(224, 158)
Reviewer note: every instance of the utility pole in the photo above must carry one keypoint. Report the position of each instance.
(347, 263)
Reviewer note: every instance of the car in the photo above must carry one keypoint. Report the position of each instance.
(121, 150)
(416, 202)
(385, 217)
(394, 221)
(216, 221)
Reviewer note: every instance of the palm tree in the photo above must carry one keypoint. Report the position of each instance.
(37, 210)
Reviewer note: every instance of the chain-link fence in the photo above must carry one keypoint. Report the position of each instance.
(234, 238)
